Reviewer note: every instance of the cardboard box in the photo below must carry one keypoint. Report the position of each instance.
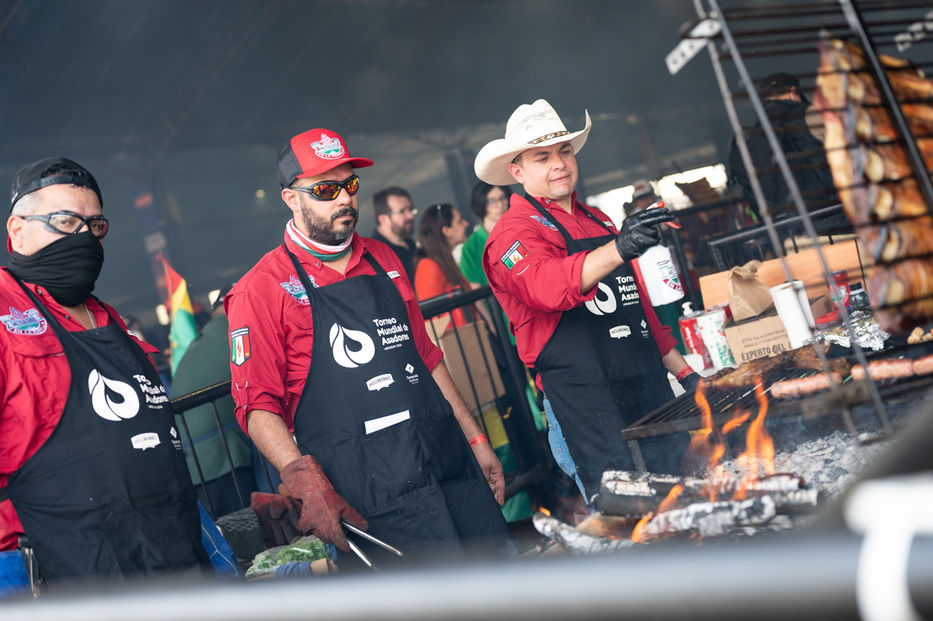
(765, 335)
(468, 354)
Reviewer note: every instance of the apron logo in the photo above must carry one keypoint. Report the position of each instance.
(618, 332)
(142, 441)
(106, 407)
(393, 274)
(154, 394)
(380, 381)
(343, 355)
(411, 376)
(240, 349)
(513, 255)
(604, 303)
(27, 323)
(644, 329)
(175, 441)
(544, 222)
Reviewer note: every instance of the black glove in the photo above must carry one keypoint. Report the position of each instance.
(640, 232)
(690, 383)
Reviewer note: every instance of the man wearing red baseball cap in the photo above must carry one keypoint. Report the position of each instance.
(337, 383)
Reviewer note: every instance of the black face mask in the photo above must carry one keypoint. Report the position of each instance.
(67, 268)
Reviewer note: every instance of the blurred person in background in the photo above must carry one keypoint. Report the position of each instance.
(440, 230)
(395, 225)
(643, 196)
(91, 466)
(562, 273)
(488, 202)
(787, 108)
(337, 383)
(207, 362)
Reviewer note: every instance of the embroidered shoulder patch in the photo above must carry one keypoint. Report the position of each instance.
(513, 255)
(296, 289)
(29, 322)
(240, 349)
(544, 222)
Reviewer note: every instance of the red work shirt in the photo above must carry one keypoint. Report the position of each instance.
(34, 381)
(272, 330)
(534, 288)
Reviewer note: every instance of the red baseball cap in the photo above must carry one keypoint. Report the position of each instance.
(314, 152)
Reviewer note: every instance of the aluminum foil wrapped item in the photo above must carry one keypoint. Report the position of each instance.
(868, 334)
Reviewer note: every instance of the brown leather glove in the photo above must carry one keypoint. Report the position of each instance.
(322, 507)
(278, 516)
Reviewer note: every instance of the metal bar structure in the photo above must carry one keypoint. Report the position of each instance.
(731, 50)
(806, 577)
(517, 419)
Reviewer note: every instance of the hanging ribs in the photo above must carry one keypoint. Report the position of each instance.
(873, 176)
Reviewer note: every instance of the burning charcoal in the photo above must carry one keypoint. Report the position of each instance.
(797, 502)
(710, 519)
(635, 494)
(575, 541)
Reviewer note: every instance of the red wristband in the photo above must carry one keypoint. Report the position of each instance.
(684, 372)
(479, 439)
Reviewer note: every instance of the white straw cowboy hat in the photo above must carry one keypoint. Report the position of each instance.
(530, 126)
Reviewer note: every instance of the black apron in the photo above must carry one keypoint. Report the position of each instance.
(601, 370)
(378, 424)
(108, 494)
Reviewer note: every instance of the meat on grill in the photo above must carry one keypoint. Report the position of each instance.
(873, 176)
(885, 369)
(803, 358)
(803, 386)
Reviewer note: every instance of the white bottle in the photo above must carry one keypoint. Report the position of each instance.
(660, 274)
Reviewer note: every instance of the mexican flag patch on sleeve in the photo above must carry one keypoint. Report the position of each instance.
(513, 255)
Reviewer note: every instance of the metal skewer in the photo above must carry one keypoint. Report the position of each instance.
(382, 544)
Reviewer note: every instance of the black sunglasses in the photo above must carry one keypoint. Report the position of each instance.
(70, 223)
(329, 190)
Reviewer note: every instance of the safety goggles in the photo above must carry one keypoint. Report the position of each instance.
(328, 190)
(70, 223)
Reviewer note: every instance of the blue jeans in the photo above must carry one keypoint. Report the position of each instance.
(559, 449)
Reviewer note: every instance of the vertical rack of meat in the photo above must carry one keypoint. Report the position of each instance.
(766, 40)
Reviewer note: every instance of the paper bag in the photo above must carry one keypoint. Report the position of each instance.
(748, 296)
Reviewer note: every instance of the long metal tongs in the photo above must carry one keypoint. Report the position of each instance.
(379, 542)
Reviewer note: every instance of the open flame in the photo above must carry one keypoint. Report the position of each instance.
(669, 502)
(758, 458)
(707, 446)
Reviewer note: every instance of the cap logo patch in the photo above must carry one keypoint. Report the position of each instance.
(513, 255)
(26, 323)
(328, 147)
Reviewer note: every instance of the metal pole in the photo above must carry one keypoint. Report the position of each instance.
(880, 410)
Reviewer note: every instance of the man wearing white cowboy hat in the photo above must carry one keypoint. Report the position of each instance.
(562, 273)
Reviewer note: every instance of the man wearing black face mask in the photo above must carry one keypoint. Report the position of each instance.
(91, 469)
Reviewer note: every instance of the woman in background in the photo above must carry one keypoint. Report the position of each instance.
(488, 202)
(440, 230)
